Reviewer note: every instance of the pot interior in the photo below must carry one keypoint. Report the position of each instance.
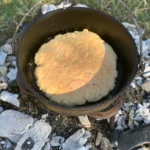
(77, 19)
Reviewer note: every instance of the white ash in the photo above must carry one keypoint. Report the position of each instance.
(7, 48)
(10, 98)
(14, 124)
(38, 134)
(85, 122)
(57, 140)
(77, 140)
(3, 56)
(12, 74)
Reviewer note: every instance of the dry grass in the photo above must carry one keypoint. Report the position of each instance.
(11, 12)
(141, 9)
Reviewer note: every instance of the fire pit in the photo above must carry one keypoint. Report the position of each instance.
(62, 21)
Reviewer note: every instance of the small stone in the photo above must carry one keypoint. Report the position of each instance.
(10, 98)
(98, 139)
(138, 78)
(7, 64)
(131, 116)
(145, 111)
(139, 82)
(14, 124)
(3, 86)
(147, 69)
(147, 74)
(3, 70)
(3, 56)
(146, 104)
(57, 141)
(140, 106)
(80, 5)
(12, 74)
(136, 123)
(76, 140)
(13, 64)
(84, 120)
(7, 48)
(63, 5)
(146, 86)
(51, 7)
(128, 25)
(133, 85)
(44, 9)
(44, 116)
(121, 121)
(9, 41)
(87, 134)
(105, 144)
(8, 145)
(147, 119)
(138, 118)
(39, 133)
(120, 112)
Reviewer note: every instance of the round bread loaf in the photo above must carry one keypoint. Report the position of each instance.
(75, 68)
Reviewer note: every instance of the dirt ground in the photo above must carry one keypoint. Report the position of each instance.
(63, 125)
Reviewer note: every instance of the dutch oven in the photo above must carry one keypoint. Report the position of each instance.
(61, 21)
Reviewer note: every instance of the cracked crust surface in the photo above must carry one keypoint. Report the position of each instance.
(75, 68)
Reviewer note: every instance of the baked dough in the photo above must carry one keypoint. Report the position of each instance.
(75, 68)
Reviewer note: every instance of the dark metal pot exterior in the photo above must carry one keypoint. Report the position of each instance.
(67, 20)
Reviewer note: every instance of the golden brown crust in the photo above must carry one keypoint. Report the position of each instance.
(76, 67)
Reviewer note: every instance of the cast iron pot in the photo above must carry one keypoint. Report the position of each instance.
(68, 20)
